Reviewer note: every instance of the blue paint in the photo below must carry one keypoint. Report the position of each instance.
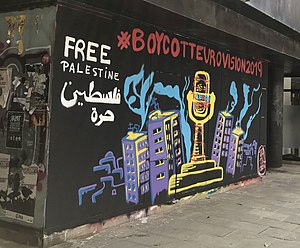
(85, 190)
(254, 90)
(131, 83)
(110, 165)
(174, 92)
(235, 96)
(97, 193)
(144, 98)
(246, 90)
(247, 105)
(252, 117)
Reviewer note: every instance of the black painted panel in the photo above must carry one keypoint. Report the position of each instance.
(127, 139)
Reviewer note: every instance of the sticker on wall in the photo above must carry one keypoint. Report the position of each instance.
(5, 83)
(261, 161)
(38, 118)
(21, 193)
(15, 123)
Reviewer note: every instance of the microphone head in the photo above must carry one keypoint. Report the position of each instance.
(201, 94)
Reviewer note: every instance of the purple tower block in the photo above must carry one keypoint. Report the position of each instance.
(222, 137)
(165, 148)
(136, 165)
(235, 151)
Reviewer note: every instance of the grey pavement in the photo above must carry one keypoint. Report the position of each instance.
(264, 214)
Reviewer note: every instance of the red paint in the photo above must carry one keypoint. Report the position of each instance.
(162, 44)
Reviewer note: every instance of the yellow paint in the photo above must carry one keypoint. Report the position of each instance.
(226, 114)
(175, 179)
(11, 21)
(161, 176)
(199, 115)
(238, 131)
(136, 138)
(158, 114)
(21, 23)
(191, 100)
(133, 136)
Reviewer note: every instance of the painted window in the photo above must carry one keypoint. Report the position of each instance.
(175, 133)
(179, 161)
(159, 150)
(157, 130)
(158, 140)
(147, 176)
(142, 189)
(147, 165)
(146, 187)
(167, 126)
(159, 162)
(161, 176)
(175, 122)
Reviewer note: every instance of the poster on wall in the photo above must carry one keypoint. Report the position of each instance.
(14, 138)
(21, 193)
(142, 116)
(5, 84)
(4, 170)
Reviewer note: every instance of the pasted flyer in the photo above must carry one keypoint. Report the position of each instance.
(4, 170)
(5, 84)
(21, 193)
(15, 123)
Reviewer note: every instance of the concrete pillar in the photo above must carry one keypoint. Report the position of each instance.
(275, 116)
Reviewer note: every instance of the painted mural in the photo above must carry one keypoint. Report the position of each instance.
(144, 116)
(155, 160)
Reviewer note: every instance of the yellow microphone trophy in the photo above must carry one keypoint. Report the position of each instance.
(199, 171)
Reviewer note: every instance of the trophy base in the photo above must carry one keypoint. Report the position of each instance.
(194, 175)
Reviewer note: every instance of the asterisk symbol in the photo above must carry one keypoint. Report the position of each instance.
(124, 40)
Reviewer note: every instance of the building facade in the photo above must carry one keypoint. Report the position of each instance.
(99, 114)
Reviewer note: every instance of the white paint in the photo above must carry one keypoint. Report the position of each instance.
(68, 39)
(104, 54)
(111, 97)
(86, 51)
(91, 51)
